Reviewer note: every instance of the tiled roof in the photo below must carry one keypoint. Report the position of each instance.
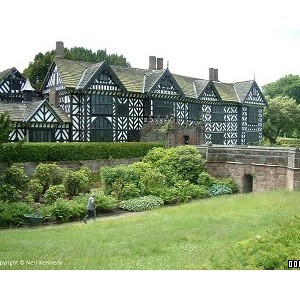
(21, 112)
(88, 74)
(77, 74)
(71, 71)
(226, 91)
(243, 88)
(6, 72)
(132, 78)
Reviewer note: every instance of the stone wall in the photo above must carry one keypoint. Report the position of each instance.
(93, 165)
(270, 168)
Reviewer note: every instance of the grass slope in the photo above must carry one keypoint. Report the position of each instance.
(189, 236)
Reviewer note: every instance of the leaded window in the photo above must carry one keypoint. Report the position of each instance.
(41, 135)
(195, 111)
(253, 115)
(101, 104)
(217, 113)
(101, 130)
(163, 108)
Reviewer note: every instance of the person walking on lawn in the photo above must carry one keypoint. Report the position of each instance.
(91, 211)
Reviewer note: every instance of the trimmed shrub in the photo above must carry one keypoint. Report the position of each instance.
(55, 192)
(141, 203)
(122, 182)
(76, 182)
(37, 152)
(49, 174)
(177, 163)
(35, 189)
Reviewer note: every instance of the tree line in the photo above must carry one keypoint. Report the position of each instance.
(282, 116)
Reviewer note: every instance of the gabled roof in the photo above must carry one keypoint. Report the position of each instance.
(226, 91)
(9, 71)
(132, 78)
(93, 71)
(79, 75)
(6, 72)
(243, 88)
(23, 112)
(71, 71)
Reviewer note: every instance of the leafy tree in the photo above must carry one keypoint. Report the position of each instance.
(288, 86)
(281, 118)
(37, 70)
(6, 126)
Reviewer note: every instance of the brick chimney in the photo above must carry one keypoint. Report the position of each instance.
(152, 62)
(213, 74)
(59, 50)
(54, 98)
(160, 63)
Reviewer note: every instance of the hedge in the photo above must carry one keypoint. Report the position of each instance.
(39, 152)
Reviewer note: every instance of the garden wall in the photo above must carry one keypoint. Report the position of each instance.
(93, 165)
(264, 168)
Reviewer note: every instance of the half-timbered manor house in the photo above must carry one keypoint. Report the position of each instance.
(84, 101)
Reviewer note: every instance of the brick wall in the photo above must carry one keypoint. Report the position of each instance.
(270, 168)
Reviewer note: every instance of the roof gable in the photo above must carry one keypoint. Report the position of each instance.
(166, 84)
(207, 91)
(100, 76)
(249, 93)
(42, 112)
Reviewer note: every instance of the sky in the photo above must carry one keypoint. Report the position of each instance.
(242, 39)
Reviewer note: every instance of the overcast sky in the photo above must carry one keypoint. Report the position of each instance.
(242, 39)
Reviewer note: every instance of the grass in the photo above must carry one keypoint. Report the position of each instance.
(189, 236)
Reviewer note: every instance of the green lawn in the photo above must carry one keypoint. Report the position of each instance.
(188, 236)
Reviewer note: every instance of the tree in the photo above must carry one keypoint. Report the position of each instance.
(281, 118)
(6, 126)
(288, 86)
(37, 70)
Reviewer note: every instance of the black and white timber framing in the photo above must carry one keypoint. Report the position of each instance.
(102, 102)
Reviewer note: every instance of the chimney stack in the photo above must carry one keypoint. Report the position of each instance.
(160, 63)
(59, 51)
(213, 74)
(54, 98)
(152, 62)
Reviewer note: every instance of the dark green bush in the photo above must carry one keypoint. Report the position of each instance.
(49, 174)
(11, 214)
(76, 182)
(121, 182)
(141, 203)
(35, 189)
(177, 163)
(205, 179)
(13, 184)
(55, 192)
